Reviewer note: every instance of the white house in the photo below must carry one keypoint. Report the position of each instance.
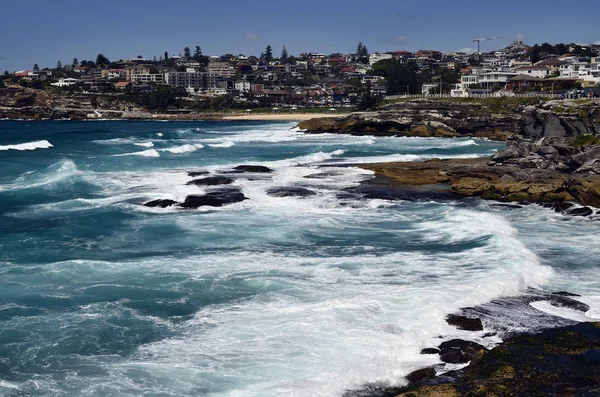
(66, 82)
(496, 77)
(432, 87)
(534, 71)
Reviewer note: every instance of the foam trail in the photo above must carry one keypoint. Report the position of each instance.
(145, 153)
(187, 148)
(225, 144)
(28, 146)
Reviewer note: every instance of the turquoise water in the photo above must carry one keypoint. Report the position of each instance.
(273, 296)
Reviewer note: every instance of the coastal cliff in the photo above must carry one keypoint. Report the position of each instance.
(494, 118)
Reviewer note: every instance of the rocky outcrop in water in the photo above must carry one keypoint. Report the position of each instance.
(494, 118)
(543, 172)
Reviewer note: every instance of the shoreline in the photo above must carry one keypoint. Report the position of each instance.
(196, 117)
(280, 116)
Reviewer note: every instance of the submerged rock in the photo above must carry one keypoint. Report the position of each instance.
(216, 198)
(212, 181)
(162, 203)
(290, 191)
(197, 173)
(252, 168)
(582, 211)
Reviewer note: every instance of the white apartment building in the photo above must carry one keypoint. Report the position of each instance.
(376, 57)
(66, 82)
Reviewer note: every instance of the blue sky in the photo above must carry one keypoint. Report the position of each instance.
(45, 32)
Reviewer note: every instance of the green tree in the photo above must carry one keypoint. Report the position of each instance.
(268, 54)
(166, 56)
(75, 62)
(359, 50)
(187, 53)
(102, 60)
(364, 54)
(284, 54)
(58, 65)
(534, 54)
(197, 53)
(36, 67)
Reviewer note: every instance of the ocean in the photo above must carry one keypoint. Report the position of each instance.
(272, 296)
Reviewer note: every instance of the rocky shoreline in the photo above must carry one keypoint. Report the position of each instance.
(541, 354)
(548, 172)
(493, 118)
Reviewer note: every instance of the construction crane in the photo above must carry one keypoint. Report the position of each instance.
(486, 39)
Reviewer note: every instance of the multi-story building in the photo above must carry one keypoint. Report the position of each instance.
(376, 57)
(222, 69)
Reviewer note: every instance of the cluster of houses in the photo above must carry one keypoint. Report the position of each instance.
(510, 70)
(322, 80)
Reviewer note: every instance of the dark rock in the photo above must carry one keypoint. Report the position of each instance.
(211, 181)
(217, 198)
(290, 191)
(586, 156)
(515, 150)
(197, 173)
(253, 168)
(561, 206)
(564, 301)
(458, 351)
(162, 203)
(464, 323)
(421, 375)
(508, 206)
(430, 350)
(564, 293)
(582, 211)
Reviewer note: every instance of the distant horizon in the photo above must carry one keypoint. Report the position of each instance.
(121, 31)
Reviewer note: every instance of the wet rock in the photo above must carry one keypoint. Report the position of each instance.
(430, 350)
(216, 198)
(508, 206)
(582, 211)
(564, 293)
(253, 168)
(458, 351)
(421, 375)
(162, 203)
(464, 322)
(290, 191)
(197, 173)
(211, 181)
(564, 301)
(561, 206)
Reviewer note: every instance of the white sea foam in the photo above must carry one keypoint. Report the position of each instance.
(187, 148)
(28, 146)
(145, 144)
(225, 144)
(145, 153)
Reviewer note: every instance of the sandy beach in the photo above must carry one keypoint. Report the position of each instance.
(280, 116)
